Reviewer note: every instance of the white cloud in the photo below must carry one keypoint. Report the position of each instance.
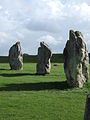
(0, 7)
(49, 40)
(55, 5)
(49, 20)
(85, 11)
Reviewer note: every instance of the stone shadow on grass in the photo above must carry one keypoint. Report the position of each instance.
(36, 86)
(23, 74)
(17, 74)
(4, 69)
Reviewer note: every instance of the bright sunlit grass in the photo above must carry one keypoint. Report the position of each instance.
(27, 96)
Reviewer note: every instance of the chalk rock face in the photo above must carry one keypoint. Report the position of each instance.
(44, 55)
(16, 57)
(76, 60)
(87, 109)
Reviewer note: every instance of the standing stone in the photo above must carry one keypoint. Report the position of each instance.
(76, 60)
(44, 55)
(87, 109)
(16, 57)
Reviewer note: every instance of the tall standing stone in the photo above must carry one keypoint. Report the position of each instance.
(16, 57)
(87, 109)
(76, 60)
(44, 55)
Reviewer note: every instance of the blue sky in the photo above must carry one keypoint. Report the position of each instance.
(32, 21)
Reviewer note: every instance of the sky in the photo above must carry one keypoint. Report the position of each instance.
(32, 21)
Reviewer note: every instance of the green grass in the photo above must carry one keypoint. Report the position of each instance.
(27, 96)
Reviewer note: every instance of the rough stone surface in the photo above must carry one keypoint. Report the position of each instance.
(44, 55)
(87, 109)
(16, 57)
(76, 60)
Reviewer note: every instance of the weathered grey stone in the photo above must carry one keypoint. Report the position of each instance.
(44, 55)
(87, 109)
(76, 60)
(16, 57)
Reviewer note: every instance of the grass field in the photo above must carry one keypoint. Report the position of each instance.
(27, 96)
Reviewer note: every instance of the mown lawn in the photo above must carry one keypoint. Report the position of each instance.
(27, 96)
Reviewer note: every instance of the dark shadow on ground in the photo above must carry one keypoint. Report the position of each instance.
(17, 74)
(4, 69)
(23, 74)
(35, 86)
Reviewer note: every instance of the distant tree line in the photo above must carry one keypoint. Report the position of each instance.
(56, 58)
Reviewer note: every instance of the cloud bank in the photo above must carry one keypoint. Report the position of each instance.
(32, 21)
